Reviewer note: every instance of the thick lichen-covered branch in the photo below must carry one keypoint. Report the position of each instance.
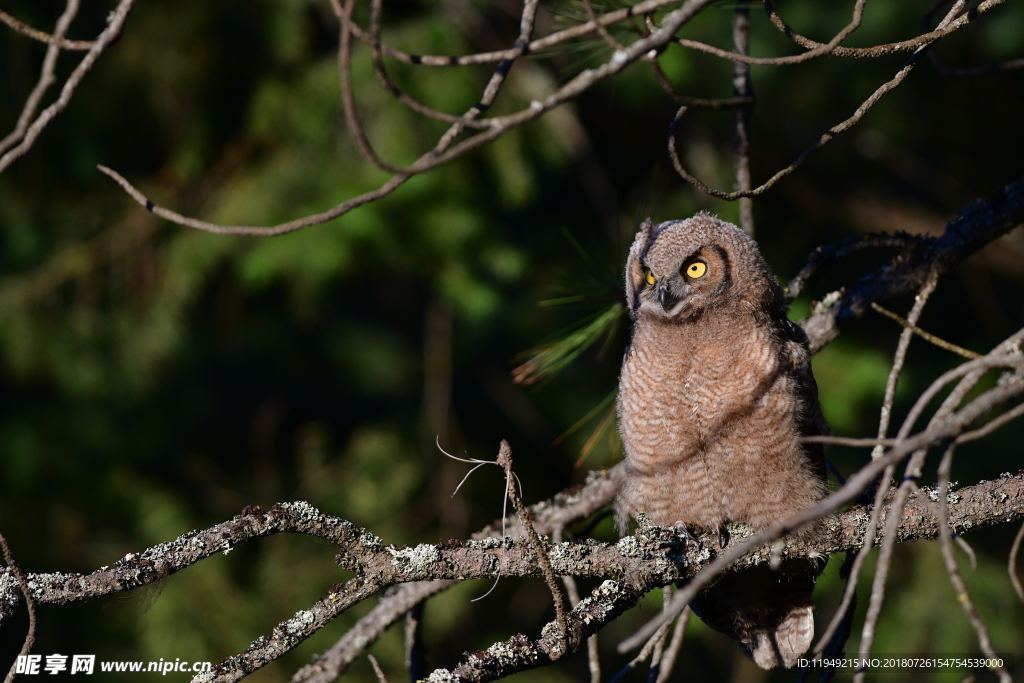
(359, 548)
(652, 557)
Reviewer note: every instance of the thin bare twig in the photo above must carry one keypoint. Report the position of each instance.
(927, 336)
(850, 585)
(992, 425)
(378, 672)
(873, 51)
(446, 149)
(47, 76)
(697, 102)
(526, 519)
(911, 474)
(742, 87)
(822, 140)
(868, 442)
(573, 591)
(602, 30)
(1011, 564)
(115, 20)
(30, 604)
(668, 660)
(946, 545)
(652, 649)
(740, 56)
(535, 46)
(852, 441)
(415, 662)
(56, 38)
(389, 85)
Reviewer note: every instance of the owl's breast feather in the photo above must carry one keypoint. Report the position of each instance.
(659, 412)
(683, 387)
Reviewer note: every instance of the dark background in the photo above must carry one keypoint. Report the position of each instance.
(155, 379)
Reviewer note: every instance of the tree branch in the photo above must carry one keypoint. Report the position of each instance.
(115, 20)
(978, 224)
(985, 504)
(653, 557)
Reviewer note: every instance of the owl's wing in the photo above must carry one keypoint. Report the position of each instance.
(811, 421)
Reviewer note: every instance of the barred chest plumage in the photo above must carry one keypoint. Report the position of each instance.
(691, 414)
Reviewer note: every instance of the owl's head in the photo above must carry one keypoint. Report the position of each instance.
(680, 270)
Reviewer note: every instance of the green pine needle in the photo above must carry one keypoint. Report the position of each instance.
(550, 359)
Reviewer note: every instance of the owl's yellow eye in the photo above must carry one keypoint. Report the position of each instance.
(650, 278)
(696, 269)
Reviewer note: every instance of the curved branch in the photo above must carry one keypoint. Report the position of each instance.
(533, 47)
(115, 21)
(887, 48)
(47, 76)
(821, 50)
(444, 151)
(978, 224)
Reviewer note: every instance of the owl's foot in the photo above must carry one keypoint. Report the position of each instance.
(684, 532)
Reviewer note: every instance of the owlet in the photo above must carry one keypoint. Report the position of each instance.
(715, 392)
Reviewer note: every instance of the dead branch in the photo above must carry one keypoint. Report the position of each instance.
(886, 48)
(826, 137)
(446, 148)
(57, 38)
(946, 543)
(743, 88)
(840, 617)
(115, 21)
(534, 541)
(46, 78)
(653, 557)
(978, 224)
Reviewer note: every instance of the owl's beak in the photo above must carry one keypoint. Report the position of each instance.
(666, 298)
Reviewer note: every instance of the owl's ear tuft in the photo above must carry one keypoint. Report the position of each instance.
(634, 268)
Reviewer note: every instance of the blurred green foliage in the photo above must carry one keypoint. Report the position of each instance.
(154, 380)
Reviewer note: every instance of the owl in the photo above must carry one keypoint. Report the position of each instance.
(715, 394)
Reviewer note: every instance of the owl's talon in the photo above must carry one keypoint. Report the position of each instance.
(723, 536)
(684, 532)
